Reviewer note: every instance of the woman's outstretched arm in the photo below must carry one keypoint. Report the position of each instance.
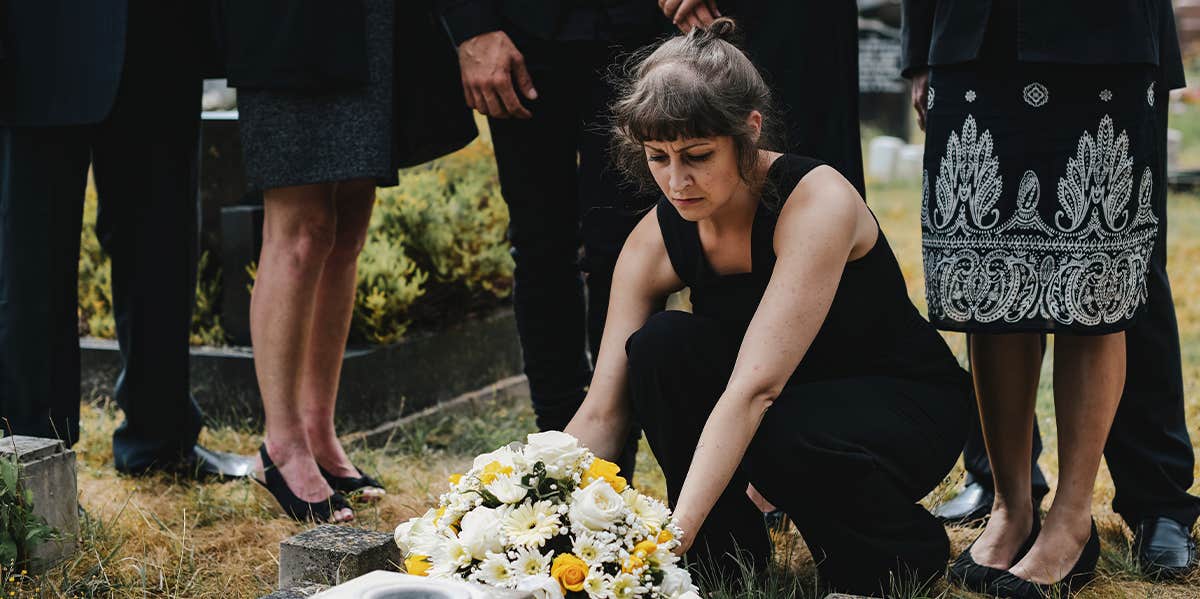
(819, 228)
(642, 279)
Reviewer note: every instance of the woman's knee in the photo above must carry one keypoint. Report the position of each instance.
(660, 339)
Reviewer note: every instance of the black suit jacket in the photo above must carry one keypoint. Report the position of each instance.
(542, 19)
(61, 61)
(941, 32)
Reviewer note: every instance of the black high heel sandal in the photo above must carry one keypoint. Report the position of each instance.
(1080, 575)
(973, 576)
(298, 509)
(353, 486)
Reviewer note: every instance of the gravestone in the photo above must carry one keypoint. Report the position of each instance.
(330, 554)
(883, 153)
(883, 95)
(48, 472)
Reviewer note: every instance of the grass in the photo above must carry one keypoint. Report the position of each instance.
(164, 537)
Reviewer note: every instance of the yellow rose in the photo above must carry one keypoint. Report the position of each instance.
(665, 536)
(606, 470)
(569, 571)
(492, 470)
(645, 548)
(454, 478)
(417, 565)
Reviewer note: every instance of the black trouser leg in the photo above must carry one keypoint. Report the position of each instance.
(1149, 453)
(539, 181)
(145, 170)
(881, 443)
(678, 366)
(43, 173)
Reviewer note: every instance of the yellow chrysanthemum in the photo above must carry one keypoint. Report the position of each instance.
(492, 470)
(454, 478)
(633, 564)
(417, 565)
(645, 548)
(569, 571)
(605, 470)
(665, 536)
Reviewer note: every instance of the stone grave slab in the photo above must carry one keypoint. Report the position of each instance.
(48, 472)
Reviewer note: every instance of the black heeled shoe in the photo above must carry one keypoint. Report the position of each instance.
(973, 576)
(298, 509)
(1081, 574)
(353, 486)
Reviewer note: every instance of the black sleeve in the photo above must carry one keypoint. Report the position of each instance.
(465, 19)
(916, 32)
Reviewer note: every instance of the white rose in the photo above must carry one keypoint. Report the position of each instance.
(559, 451)
(481, 532)
(676, 583)
(416, 533)
(541, 586)
(596, 506)
(507, 489)
(689, 595)
(505, 455)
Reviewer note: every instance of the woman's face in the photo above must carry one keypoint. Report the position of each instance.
(698, 175)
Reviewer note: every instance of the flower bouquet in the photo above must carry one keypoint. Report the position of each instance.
(550, 518)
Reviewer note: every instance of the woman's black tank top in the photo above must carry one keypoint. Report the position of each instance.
(872, 328)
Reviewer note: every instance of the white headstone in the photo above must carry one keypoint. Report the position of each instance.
(909, 163)
(882, 153)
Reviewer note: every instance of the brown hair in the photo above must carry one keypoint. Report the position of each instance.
(694, 85)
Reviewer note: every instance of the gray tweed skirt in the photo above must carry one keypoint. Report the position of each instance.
(301, 138)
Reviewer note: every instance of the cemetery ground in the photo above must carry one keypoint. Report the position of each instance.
(161, 536)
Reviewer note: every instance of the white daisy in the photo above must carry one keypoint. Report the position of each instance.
(531, 524)
(590, 549)
(650, 512)
(530, 562)
(626, 586)
(495, 570)
(598, 585)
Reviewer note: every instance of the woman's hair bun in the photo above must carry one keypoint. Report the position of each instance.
(723, 28)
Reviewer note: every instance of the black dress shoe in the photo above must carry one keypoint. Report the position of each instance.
(1164, 548)
(973, 576)
(1011, 587)
(970, 505)
(200, 464)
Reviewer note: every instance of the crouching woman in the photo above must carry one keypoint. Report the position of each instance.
(803, 368)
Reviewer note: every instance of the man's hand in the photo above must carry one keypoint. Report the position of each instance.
(489, 62)
(920, 95)
(686, 14)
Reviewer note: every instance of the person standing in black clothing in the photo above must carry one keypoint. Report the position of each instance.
(537, 70)
(817, 99)
(114, 84)
(1148, 450)
(803, 359)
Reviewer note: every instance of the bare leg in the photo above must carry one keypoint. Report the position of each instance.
(297, 238)
(1089, 375)
(353, 201)
(1006, 370)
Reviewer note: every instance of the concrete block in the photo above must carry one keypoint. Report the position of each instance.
(48, 471)
(330, 554)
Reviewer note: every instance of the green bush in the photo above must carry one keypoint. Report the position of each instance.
(435, 252)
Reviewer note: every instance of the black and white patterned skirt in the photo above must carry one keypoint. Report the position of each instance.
(1038, 209)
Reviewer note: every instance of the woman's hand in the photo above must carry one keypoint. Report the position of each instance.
(686, 14)
(689, 527)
